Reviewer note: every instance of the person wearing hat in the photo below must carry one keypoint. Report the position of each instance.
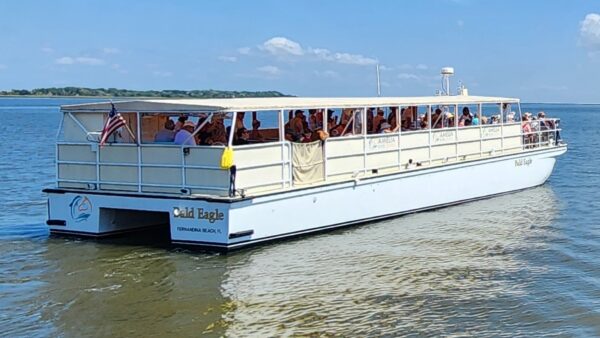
(184, 136)
(385, 128)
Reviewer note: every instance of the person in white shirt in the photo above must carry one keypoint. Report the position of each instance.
(184, 136)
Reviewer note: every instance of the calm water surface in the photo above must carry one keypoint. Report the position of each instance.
(525, 264)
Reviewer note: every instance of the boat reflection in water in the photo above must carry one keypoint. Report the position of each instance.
(438, 272)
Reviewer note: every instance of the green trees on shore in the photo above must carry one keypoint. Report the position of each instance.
(114, 92)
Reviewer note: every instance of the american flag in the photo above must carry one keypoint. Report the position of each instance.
(114, 122)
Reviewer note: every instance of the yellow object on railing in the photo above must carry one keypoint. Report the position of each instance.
(227, 158)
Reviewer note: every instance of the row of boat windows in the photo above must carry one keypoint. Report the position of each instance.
(309, 124)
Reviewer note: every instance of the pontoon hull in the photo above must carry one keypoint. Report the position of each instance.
(230, 224)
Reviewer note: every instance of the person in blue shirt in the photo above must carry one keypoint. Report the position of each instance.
(183, 136)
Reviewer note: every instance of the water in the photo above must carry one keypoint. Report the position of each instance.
(524, 264)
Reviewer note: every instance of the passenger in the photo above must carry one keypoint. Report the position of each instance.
(466, 116)
(449, 119)
(378, 120)
(307, 137)
(203, 133)
(297, 124)
(180, 121)
(385, 128)
(346, 116)
(436, 119)
(239, 120)
(424, 122)
(217, 132)
(475, 120)
(184, 135)
(255, 134)
(167, 134)
(406, 118)
(508, 114)
(393, 118)
(242, 136)
(528, 136)
(312, 119)
(319, 118)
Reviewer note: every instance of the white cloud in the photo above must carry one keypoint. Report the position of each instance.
(89, 61)
(282, 46)
(228, 58)
(347, 58)
(326, 74)
(158, 73)
(269, 70)
(408, 76)
(590, 31)
(109, 50)
(385, 68)
(65, 60)
(244, 50)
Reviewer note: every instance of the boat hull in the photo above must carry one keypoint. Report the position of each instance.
(232, 224)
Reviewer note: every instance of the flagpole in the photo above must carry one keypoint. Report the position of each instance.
(127, 127)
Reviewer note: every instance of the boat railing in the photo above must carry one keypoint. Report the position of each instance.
(261, 167)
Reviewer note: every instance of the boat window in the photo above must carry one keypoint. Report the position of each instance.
(256, 127)
(209, 128)
(422, 121)
(490, 113)
(349, 122)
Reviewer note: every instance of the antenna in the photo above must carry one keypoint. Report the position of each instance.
(378, 83)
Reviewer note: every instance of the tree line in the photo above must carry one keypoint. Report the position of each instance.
(114, 92)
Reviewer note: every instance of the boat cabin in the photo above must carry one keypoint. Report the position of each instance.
(176, 147)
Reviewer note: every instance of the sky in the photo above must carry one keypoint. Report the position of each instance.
(536, 50)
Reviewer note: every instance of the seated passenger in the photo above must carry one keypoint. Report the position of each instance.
(449, 119)
(378, 120)
(217, 133)
(255, 134)
(406, 118)
(180, 121)
(475, 120)
(239, 120)
(436, 119)
(385, 128)
(466, 116)
(242, 136)
(297, 124)
(167, 134)
(184, 135)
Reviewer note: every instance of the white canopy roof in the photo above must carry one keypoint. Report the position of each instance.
(276, 103)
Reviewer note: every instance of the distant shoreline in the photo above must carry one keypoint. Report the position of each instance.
(81, 92)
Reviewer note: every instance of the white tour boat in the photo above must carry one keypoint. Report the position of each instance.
(302, 165)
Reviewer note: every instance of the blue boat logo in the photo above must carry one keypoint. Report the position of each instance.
(81, 208)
